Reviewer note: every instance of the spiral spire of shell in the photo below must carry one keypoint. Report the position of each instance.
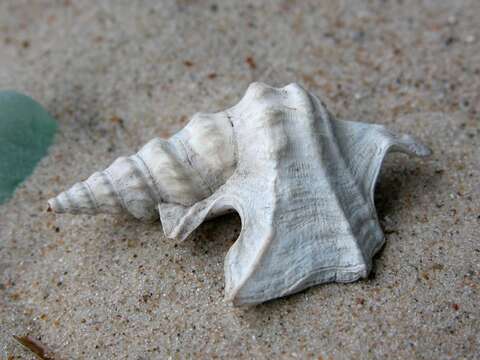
(182, 170)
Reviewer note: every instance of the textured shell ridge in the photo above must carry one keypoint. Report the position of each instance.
(301, 181)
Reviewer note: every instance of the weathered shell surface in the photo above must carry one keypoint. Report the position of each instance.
(184, 169)
(301, 181)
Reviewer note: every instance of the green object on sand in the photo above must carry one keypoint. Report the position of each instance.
(26, 132)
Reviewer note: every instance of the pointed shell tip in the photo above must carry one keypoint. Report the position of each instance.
(422, 150)
(51, 206)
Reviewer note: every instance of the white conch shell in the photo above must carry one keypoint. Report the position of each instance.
(301, 181)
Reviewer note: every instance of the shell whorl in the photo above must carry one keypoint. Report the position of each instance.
(184, 169)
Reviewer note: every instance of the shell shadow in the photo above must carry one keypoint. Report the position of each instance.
(400, 181)
(213, 238)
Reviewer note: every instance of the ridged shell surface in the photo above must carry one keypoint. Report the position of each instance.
(301, 181)
(184, 169)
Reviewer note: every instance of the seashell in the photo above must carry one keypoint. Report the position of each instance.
(301, 181)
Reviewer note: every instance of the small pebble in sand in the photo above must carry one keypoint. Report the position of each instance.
(470, 39)
(452, 20)
(251, 62)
